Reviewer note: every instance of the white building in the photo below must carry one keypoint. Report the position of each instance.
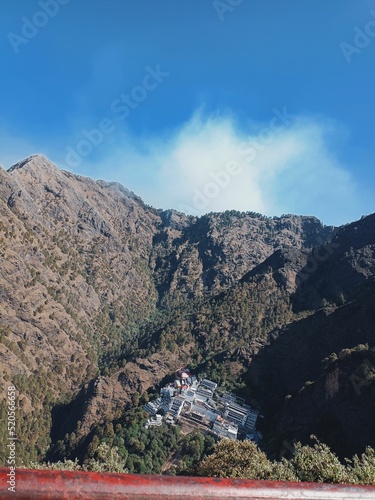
(194, 383)
(176, 406)
(154, 421)
(224, 428)
(251, 419)
(206, 413)
(236, 413)
(188, 394)
(152, 406)
(226, 414)
(208, 385)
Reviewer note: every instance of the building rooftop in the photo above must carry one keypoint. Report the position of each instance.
(224, 415)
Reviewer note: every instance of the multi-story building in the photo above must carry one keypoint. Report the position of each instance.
(225, 428)
(251, 420)
(212, 386)
(236, 413)
(224, 415)
(176, 406)
(155, 421)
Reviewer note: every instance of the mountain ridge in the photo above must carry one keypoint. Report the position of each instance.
(98, 286)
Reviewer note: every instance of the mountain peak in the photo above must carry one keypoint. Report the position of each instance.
(38, 160)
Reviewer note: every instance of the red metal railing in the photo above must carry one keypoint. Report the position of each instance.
(47, 484)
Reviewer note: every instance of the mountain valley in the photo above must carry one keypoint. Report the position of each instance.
(103, 297)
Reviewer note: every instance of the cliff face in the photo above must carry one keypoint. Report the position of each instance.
(102, 296)
(324, 363)
(216, 250)
(335, 271)
(338, 405)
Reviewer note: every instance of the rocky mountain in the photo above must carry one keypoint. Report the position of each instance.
(324, 364)
(103, 296)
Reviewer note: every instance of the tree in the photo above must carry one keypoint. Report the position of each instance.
(106, 459)
(309, 463)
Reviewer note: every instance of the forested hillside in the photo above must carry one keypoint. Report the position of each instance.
(103, 297)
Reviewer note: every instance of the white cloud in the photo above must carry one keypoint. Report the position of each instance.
(211, 163)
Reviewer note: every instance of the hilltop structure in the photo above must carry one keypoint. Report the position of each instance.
(189, 401)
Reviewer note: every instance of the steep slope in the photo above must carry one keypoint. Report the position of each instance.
(94, 282)
(338, 406)
(74, 283)
(335, 272)
(73, 260)
(294, 356)
(216, 250)
(299, 353)
(219, 335)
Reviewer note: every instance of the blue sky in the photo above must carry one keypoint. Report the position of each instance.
(198, 105)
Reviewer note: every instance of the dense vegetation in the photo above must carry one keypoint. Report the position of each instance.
(231, 459)
(138, 450)
(233, 319)
(309, 463)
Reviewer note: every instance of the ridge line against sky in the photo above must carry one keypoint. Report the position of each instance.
(198, 106)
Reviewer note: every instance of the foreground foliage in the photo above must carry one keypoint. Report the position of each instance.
(233, 459)
(243, 459)
(106, 459)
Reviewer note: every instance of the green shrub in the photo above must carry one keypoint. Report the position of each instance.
(243, 459)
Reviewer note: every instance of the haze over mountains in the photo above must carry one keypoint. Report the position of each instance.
(103, 296)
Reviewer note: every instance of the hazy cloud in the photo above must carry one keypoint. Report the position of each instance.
(212, 163)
